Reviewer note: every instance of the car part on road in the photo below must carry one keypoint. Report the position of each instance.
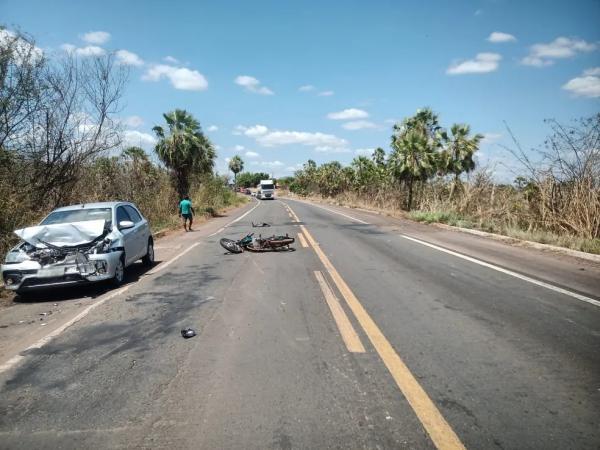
(187, 333)
(260, 225)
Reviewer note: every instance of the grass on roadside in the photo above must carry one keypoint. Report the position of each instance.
(542, 237)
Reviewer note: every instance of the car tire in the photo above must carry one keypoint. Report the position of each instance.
(148, 259)
(119, 276)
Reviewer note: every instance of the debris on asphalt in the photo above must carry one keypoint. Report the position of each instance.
(188, 333)
(260, 225)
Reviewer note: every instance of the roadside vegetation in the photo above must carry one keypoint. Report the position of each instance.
(430, 175)
(61, 143)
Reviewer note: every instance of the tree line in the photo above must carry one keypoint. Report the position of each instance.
(555, 195)
(420, 150)
(61, 142)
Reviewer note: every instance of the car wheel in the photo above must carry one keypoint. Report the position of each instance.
(148, 259)
(117, 280)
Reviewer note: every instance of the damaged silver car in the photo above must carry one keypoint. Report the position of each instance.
(79, 244)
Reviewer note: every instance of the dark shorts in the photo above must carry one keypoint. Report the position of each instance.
(186, 216)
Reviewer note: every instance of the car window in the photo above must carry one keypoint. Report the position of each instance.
(78, 215)
(135, 216)
(122, 215)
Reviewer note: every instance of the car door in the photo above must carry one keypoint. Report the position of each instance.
(129, 237)
(140, 230)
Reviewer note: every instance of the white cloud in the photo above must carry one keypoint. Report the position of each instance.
(348, 114)
(364, 151)
(238, 148)
(171, 60)
(330, 149)
(23, 50)
(212, 128)
(306, 88)
(254, 131)
(586, 85)
(325, 93)
(541, 55)
(482, 63)
(274, 138)
(358, 125)
(137, 138)
(490, 138)
(251, 154)
(133, 121)
(96, 37)
(88, 50)
(252, 84)
(595, 71)
(292, 169)
(180, 77)
(498, 37)
(271, 164)
(128, 58)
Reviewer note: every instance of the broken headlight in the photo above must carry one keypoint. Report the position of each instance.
(102, 247)
(16, 256)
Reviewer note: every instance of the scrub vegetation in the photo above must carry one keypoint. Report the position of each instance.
(61, 143)
(430, 175)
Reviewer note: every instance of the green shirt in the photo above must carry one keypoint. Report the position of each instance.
(185, 206)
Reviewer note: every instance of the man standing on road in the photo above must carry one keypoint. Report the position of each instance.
(186, 212)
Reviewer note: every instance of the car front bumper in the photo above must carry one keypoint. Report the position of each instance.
(30, 275)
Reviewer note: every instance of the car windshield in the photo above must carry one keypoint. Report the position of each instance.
(266, 186)
(78, 215)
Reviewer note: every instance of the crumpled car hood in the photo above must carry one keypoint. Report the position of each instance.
(62, 234)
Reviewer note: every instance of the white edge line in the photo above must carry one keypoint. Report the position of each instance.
(44, 340)
(243, 215)
(337, 212)
(583, 298)
(172, 260)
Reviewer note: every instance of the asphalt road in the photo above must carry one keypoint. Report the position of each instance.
(360, 339)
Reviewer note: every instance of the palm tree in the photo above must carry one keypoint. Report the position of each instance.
(459, 148)
(236, 165)
(412, 159)
(183, 148)
(415, 145)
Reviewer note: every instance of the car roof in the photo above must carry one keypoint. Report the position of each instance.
(91, 206)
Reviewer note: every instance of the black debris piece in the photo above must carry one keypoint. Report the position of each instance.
(260, 225)
(188, 333)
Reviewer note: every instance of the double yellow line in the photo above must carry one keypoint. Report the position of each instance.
(440, 432)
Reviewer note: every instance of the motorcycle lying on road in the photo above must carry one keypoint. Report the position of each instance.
(260, 244)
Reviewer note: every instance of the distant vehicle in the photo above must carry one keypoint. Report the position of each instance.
(266, 190)
(247, 191)
(79, 244)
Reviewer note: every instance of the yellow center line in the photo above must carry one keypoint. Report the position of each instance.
(349, 335)
(302, 240)
(440, 432)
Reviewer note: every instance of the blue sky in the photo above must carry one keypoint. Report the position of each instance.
(240, 66)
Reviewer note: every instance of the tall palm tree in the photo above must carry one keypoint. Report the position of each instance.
(459, 148)
(183, 148)
(412, 159)
(236, 165)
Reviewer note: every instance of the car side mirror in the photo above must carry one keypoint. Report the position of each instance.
(125, 224)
